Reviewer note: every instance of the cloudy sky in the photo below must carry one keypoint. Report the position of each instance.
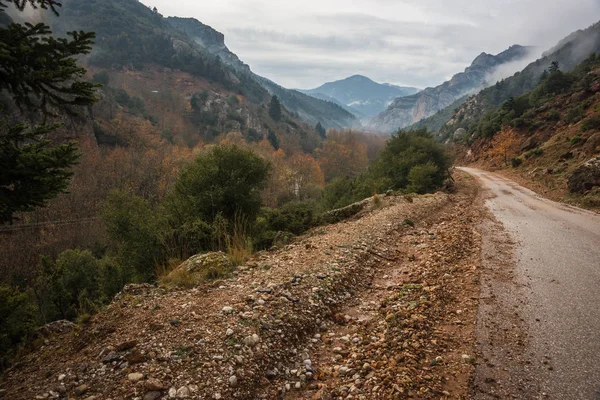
(304, 43)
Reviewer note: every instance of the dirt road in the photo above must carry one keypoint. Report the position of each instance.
(552, 344)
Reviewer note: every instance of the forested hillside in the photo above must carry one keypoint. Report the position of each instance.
(304, 107)
(549, 136)
(568, 53)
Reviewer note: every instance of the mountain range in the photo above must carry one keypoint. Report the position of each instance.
(408, 110)
(360, 95)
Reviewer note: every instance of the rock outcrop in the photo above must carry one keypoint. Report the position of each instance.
(585, 177)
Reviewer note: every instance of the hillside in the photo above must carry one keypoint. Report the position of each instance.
(309, 109)
(568, 53)
(342, 303)
(360, 94)
(405, 111)
(549, 138)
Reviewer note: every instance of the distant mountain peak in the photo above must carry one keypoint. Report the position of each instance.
(360, 95)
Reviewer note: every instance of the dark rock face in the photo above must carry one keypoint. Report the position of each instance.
(408, 110)
(585, 177)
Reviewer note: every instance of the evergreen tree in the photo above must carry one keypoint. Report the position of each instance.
(544, 76)
(273, 139)
(554, 66)
(41, 76)
(275, 108)
(321, 131)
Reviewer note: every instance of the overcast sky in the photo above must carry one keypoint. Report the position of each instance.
(304, 43)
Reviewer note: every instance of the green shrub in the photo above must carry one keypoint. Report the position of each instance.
(17, 321)
(136, 232)
(224, 180)
(407, 150)
(422, 178)
(553, 116)
(574, 115)
(592, 123)
(575, 139)
(295, 217)
(73, 284)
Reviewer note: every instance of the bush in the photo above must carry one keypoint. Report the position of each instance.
(136, 231)
(421, 178)
(407, 150)
(72, 284)
(17, 321)
(574, 115)
(592, 123)
(225, 180)
(295, 217)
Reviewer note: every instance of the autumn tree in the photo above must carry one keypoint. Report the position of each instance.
(505, 145)
(342, 154)
(41, 76)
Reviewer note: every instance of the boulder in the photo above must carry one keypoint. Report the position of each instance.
(57, 328)
(585, 177)
(460, 133)
(201, 268)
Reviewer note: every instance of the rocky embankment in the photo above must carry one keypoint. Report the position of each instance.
(378, 307)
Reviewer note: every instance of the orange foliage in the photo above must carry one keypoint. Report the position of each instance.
(505, 145)
(342, 154)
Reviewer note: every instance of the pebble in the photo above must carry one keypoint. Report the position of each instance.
(152, 396)
(233, 381)
(252, 341)
(229, 332)
(154, 384)
(183, 392)
(81, 389)
(135, 376)
(172, 393)
(227, 310)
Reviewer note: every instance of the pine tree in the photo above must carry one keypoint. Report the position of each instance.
(273, 139)
(41, 76)
(554, 66)
(321, 131)
(275, 108)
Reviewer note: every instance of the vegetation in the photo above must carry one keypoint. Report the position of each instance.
(166, 176)
(520, 112)
(40, 74)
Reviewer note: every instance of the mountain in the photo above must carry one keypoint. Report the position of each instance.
(569, 52)
(360, 94)
(311, 110)
(405, 111)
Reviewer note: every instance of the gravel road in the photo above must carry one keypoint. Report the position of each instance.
(557, 276)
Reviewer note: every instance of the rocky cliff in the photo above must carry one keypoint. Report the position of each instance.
(408, 110)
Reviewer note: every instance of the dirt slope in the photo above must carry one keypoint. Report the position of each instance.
(379, 307)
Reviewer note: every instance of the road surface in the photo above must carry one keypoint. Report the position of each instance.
(557, 268)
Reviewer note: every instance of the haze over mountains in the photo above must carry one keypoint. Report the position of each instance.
(405, 111)
(361, 95)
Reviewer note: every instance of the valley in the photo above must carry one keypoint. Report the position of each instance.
(178, 222)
